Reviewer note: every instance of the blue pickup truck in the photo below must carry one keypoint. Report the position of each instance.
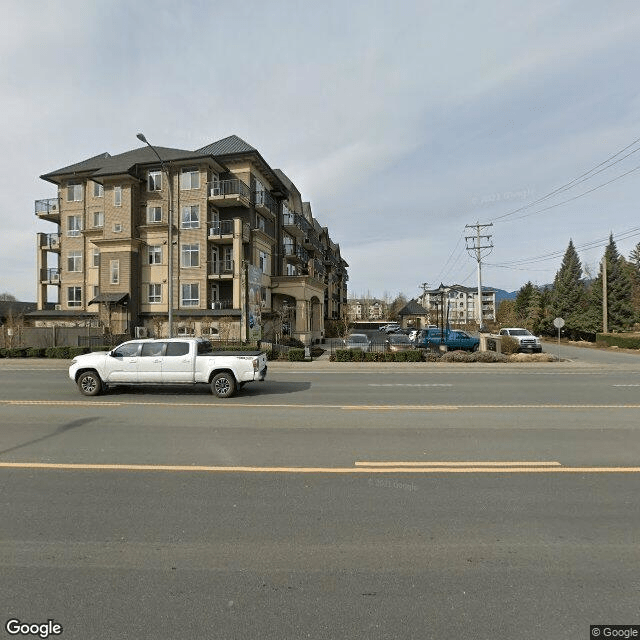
(452, 338)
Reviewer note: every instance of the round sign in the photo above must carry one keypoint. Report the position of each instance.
(558, 323)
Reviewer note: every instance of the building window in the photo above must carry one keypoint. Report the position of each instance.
(96, 291)
(74, 226)
(190, 295)
(74, 192)
(98, 219)
(114, 272)
(291, 270)
(260, 222)
(154, 181)
(191, 217)
(117, 196)
(155, 293)
(263, 261)
(74, 261)
(155, 254)
(190, 255)
(154, 215)
(190, 179)
(74, 296)
(98, 190)
(96, 258)
(117, 227)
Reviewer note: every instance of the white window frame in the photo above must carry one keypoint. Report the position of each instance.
(190, 178)
(114, 271)
(95, 257)
(117, 196)
(97, 219)
(154, 255)
(154, 181)
(74, 229)
(74, 261)
(74, 296)
(74, 192)
(117, 227)
(155, 293)
(189, 300)
(263, 261)
(152, 214)
(98, 190)
(190, 217)
(190, 250)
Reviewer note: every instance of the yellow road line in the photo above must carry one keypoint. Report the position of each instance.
(234, 405)
(316, 470)
(457, 464)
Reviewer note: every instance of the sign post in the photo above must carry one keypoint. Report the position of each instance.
(558, 323)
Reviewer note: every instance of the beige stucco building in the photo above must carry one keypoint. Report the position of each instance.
(248, 259)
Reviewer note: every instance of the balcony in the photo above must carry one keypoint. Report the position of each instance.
(222, 304)
(48, 209)
(266, 226)
(50, 276)
(49, 241)
(312, 243)
(220, 229)
(295, 254)
(221, 269)
(229, 193)
(264, 202)
(295, 224)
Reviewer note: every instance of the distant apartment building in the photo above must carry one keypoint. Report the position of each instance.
(247, 256)
(366, 309)
(458, 304)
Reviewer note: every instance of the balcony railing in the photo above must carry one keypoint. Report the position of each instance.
(264, 225)
(290, 250)
(220, 228)
(222, 304)
(50, 206)
(228, 189)
(50, 276)
(291, 219)
(265, 200)
(221, 268)
(50, 241)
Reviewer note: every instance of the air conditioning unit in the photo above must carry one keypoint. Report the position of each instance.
(58, 307)
(141, 332)
(55, 277)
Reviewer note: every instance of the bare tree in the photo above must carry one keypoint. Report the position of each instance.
(7, 297)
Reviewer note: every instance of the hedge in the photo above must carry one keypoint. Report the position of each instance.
(296, 355)
(618, 340)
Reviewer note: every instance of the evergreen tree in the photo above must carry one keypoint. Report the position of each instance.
(634, 258)
(619, 289)
(535, 312)
(568, 297)
(523, 301)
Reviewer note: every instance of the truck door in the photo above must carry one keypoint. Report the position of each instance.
(123, 363)
(178, 364)
(150, 362)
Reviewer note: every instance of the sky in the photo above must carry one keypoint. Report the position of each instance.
(401, 122)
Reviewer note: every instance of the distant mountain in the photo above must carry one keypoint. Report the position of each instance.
(501, 295)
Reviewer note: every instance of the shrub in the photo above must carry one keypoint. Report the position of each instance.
(458, 356)
(413, 356)
(35, 352)
(57, 352)
(509, 345)
(296, 355)
(316, 352)
(357, 355)
(618, 340)
(343, 355)
(490, 356)
(15, 352)
(288, 341)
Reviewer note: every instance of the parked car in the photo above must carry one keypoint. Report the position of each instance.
(398, 342)
(451, 338)
(526, 340)
(357, 341)
(392, 328)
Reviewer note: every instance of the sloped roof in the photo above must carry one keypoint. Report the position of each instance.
(228, 146)
(106, 164)
(412, 308)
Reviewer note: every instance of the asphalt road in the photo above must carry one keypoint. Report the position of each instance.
(331, 501)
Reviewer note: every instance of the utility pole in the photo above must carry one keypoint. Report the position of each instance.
(479, 246)
(605, 312)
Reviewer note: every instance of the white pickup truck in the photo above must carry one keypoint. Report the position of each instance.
(171, 361)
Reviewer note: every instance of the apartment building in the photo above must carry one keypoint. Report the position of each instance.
(367, 309)
(248, 259)
(460, 304)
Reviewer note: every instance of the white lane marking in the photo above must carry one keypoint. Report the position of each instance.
(400, 384)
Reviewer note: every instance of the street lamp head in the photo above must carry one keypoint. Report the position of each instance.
(141, 137)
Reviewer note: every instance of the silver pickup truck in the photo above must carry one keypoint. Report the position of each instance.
(171, 361)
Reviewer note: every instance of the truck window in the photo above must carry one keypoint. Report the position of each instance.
(204, 348)
(127, 350)
(177, 348)
(152, 349)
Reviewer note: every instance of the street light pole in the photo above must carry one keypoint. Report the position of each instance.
(142, 138)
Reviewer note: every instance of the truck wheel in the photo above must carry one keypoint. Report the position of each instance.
(89, 383)
(223, 385)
